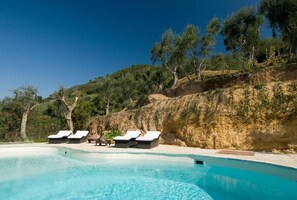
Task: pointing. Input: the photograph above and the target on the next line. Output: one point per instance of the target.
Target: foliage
(26, 98)
(191, 112)
(187, 52)
(41, 125)
(267, 48)
(279, 101)
(179, 55)
(10, 120)
(241, 32)
(205, 46)
(112, 134)
(244, 106)
(282, 17)
(172, 50)
(82, 114)
(218, 62)
(259, 86)
(209, 113)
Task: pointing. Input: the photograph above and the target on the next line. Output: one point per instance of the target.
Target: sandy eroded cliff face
(260, 116)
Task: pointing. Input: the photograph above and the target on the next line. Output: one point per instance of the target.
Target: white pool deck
(288, 160)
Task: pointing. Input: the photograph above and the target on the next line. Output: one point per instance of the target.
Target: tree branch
(168, 68)
(34, 106)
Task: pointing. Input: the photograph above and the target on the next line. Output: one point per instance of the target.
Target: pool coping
(285, 160)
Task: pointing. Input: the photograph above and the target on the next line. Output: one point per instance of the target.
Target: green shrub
(259, 86)
(112, 134)
(40, 140)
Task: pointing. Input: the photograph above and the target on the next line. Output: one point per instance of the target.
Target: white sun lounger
(127, 140)
(78, 137)
(60, 137)
(149, 140)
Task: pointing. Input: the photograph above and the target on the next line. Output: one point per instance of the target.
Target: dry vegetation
(260, 116)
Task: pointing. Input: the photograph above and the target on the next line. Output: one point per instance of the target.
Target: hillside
(255, 111)
(114, 92)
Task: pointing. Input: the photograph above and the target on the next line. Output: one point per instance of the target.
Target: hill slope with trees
(182, 60)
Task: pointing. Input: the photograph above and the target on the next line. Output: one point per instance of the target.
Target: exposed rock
(244, 117)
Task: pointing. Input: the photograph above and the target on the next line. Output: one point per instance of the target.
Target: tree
(173, 49)
(164, 52)
(60, 94)
(205, 47)
(218, 62)
(107, 91)
(282, 17)
(26, 98)
(270, 47)
(241, 31)
(10, 118)
(81, 114)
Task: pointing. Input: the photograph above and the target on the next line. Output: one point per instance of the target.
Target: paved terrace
(289, 160)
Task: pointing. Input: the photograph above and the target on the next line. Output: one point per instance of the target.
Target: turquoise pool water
(78, 175)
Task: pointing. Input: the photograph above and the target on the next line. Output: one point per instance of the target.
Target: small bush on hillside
(112, 134)
(259, 86)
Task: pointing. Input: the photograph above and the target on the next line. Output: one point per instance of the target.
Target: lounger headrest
(153, 134)
(133, 133)
(64, 133)
(82, 133)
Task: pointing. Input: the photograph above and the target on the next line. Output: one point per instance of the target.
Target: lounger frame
(77, 140)
(60, 137)
(128, 140)
(147, 144)
(79, 137)
(125, 143)
(58, 140)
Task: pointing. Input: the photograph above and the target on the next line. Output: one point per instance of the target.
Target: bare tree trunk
(252, 57)
(69, 120)
(175, 78)
(24, 125)
(174, 73)
(199, 69)
(198, 75)
(107, 109)
(23, 133)
(188, 77)
(68, 115)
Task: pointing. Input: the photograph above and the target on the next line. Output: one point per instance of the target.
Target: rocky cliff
(255, 111)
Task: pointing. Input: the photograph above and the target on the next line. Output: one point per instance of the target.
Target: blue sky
(52, 43)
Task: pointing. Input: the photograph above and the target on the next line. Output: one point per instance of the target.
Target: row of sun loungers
(64, 136)
(130, 139)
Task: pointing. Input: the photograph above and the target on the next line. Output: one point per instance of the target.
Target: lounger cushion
(60, 134)
(128, 136)
(149, 136)
(79, 134)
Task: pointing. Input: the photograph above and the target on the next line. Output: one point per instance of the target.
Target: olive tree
(26, 98)
(282, 17)
(205, 46)
(164, 52)
(241, 32)
(69, 106)
(173, 49)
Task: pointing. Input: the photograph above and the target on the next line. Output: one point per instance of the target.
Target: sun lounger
(149, 140)
(127, 140)
(78, 137)
(60, 137)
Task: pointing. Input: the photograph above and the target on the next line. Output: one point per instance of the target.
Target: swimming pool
(49, 173)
